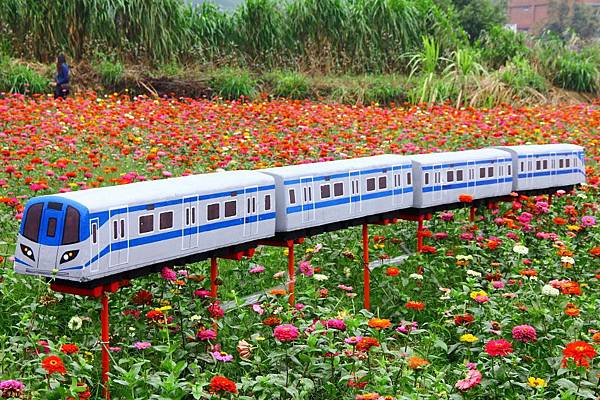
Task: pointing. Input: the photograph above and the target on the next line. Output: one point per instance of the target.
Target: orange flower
(392, 271)
(415, 305)
(278, 292)
(272, 321)
(559, 221)
(69, 348)
(571, 310)
(366, 343)
(528, 272)
(596, 337)
(417, 362)
(579, 351)
(53, 364)
(595, 251)
(367, 396)
(465, 198)
(379, 323)
(570, 288)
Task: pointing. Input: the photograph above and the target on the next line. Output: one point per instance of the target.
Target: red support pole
(213, 277)
(105, 341)
(366, 272)
(291, 273)
(549, 199)
(472, 214)
(419, 234)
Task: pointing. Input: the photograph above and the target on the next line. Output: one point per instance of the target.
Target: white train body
(440, 178)
(316, 194)
(114, 232)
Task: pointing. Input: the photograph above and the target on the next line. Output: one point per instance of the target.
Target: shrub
(500, 45)
(169, 70)
(384, 89)
(576, 72)
(17, 78)
(292, 85)
(111, 72)
(520, 75)
(233, 83)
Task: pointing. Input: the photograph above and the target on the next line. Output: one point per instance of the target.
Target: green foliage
(292, 85)
(500, 45)
(365, 89)
(169, 70)
(110, 71)
(478, 16)
(232, 83)
(427, 60)
(576, 72)
(520, 75)
(566, 18)
(17, 78)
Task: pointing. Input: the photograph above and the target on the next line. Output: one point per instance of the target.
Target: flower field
(507, 307)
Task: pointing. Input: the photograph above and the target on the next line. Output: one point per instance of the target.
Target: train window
(115, 228)
(230, 208)
(146, 223)
(522, 166)
(561, 163)
(122, 228)
(482, 172)
(248, 208)
(509, 170)
(490, 172)
(193, 215)
(382, 182)
(292, 196)
(51, 229)
(166, 220)
(212, 211)
(338, 189)
(32, 222)
(253, 204)
(450, 176)
(409, 178)
(71, 228)
(94, 233)
(459, 175)
(55, 206)
(567, 163)
(538, 165)
(545, 164)
(267, 202)
(325, 191)
(187, 217)
(370, 184)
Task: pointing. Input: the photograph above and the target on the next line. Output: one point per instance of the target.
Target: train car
(91, 234)
(336, 192)
(440, 178)
(546, 166)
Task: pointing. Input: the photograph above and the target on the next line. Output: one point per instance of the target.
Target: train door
(94, 245)
(189, 216)
(437, 183)
(119, 243)
(250, 211)
(471, 177)
(501, 171)
(398, 185)
(50, 234)
(552, 164)
(530, 164)
(355, 196)
(308, 203)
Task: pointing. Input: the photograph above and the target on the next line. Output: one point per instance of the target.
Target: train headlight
(68, 256)
(28, 252)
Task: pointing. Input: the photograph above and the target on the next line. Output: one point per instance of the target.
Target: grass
(19, 78)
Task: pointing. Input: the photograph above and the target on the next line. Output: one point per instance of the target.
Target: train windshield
(52, 223)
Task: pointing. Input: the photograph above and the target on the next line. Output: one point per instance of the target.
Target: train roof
(541, 148)
(459, 156)
(337, 166)
(146, 192)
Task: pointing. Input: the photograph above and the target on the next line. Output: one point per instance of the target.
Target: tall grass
(324, 35)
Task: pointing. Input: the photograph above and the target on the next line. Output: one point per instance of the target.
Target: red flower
(69, 348)
(428, 249)
(465, 198)
(142, 297)
(465, 319)
(580, 352)
(220, 384)
(498, 347)
(53, 364)
(392, 271)
(415, 305)
(216, 311)
(570, 288)
(366, 343)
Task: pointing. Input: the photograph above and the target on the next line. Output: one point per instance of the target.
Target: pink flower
(206, 334)
(168, 274)
(346, 288)
(525, 218)
(215, 310)
(45, 348)
(286, 333)
(524, 333)
(498, 284)
(588, 220)
(222, 356)
(440, 235)
(447, 216)
(306, 268)
(299, 306)
(258, 309)
(353, 340)
(256, 269)
(473, 379)
(337, 324)
(407, 327)
(142, 345)
(481, 299)
(202, 293)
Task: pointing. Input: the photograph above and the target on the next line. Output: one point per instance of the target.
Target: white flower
(195, 317)
(463, 257)
(549, 290)
(75, 323)
(320, 277)
(473, 273)
(418, 277)
(520, 249)
(567, 260)
(347, 272)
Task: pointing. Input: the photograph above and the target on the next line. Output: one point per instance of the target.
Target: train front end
(51, 239)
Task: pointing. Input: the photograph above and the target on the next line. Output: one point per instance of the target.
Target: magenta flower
(222, 356)
(286, 333)
(257, 269)
(353, 340)
(346, 288)
(473, 378)
(337, 324)
(447, 216)
(11, 389)
(524, 333)
(142, 345)
(202, 293)
(206, 334)
(306, 268)
(588, 221)
(168, 274)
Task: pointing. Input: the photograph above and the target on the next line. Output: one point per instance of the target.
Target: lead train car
(99, 235)
(91, 234)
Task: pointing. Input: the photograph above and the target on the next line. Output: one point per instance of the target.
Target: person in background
(62, 78)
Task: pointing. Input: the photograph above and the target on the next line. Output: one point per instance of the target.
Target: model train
(117, 232)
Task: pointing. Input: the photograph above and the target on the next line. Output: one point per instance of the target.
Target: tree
(477, 16)
(567, 17)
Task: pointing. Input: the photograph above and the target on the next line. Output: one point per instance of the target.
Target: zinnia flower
(168, 274)
(524, 333)
(286, 333)
(11, 389)
(473, 378)
(69, 348)
(379, 323)
(392, 271)
(53, 364)
(498, 347)
(206, 334)
(417, 363)
(469, 338)
(415, 305)
(142, 345)
(222, 356)
(536, 382)
(579, 351)
(335, 323)
(366, 343)
(220, 384)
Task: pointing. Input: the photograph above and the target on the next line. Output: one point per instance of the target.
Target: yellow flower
(165, 308)
(164, 302)
(573, 228)
(536, 382)
(286, 252)
(468, 338)
(478, 293)
(309, 250)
